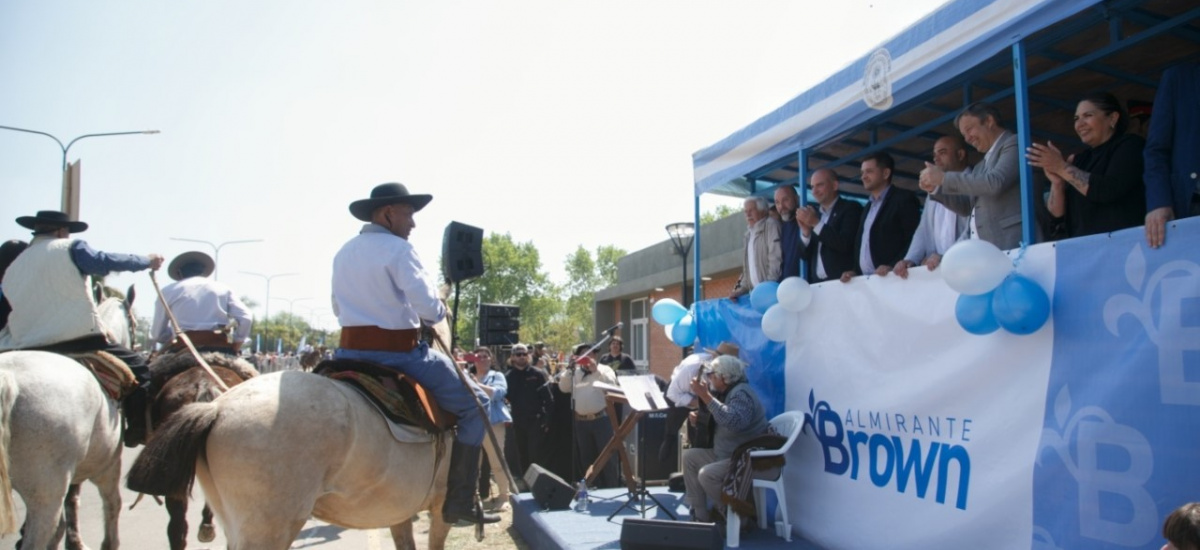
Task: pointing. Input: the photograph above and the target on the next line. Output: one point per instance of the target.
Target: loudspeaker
(498, 325)
(650, 431)
(462, 252)
(657, 534)
(549, 490)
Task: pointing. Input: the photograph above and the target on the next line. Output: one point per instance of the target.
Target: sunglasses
(521, 353)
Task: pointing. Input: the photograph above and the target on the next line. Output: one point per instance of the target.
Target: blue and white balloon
(1020, 305)
(975, 266)
(762, 297)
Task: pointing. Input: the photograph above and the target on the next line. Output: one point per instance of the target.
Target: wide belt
(203, 339)
(587, 417)
(368, 338)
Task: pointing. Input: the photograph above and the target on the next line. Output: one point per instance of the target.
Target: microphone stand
(570, 371)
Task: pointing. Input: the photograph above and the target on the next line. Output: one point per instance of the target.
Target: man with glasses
(827, 234)
(531, 401)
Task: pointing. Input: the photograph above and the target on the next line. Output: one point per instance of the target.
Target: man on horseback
(208, 312)
(49, 287)
(381, 294)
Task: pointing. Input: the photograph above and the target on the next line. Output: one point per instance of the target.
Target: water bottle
(581, 497)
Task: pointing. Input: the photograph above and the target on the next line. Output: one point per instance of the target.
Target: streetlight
(268, 278)
(682, 234)
(216, 251)
(292, 303)
(66, 206)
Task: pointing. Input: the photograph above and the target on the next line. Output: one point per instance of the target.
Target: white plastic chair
(787, 424)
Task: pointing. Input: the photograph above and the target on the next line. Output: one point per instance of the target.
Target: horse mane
(169, 365)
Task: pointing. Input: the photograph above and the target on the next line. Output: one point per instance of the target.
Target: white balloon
(794, 294)
(974, 267)
(669, 329)
(778, 323)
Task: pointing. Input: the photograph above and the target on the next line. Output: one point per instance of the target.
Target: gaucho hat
(52, 218)
(385, 194)
(175, 270)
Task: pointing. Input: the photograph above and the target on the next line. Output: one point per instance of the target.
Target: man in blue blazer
(1173, 152)
(827, 229)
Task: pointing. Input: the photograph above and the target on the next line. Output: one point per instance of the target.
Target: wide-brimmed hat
(385, 194)
(52, 218)
(175, 270)
(726, 348)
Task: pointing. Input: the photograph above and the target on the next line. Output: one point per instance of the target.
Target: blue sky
(561, 123)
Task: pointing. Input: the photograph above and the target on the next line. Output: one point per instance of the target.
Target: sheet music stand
(642, 395)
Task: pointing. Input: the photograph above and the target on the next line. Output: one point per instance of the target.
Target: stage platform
(591, 530)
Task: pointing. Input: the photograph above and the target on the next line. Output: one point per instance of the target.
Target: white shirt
(200, 303)
(680, 390)
(378, 280)
(588, 398)
(816, 230)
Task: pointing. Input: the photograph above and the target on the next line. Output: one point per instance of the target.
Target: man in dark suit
(888, 223)
(1172, 173)
(827, 233)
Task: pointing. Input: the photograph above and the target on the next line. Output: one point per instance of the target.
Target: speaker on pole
(549, 490)
(657, 534)
(462, 252)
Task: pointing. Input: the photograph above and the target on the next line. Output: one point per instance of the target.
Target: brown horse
(182, 381)
(310, 359)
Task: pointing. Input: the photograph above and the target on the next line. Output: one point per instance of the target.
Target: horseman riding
(381, 294)
(49, 287)
(208, 312)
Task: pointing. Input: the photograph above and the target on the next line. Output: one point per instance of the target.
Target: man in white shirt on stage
(593, 430)
(381, 294)
(204, 308)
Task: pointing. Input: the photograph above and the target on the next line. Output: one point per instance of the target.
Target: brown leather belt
(369, 338)
(587, 417)
(203, 339)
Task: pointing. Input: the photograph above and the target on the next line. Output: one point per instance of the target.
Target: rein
(187, 341)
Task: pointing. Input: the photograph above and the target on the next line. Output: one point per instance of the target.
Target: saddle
(400, 398)
(114, 376)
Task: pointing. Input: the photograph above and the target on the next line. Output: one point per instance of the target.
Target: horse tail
(8, 395)
(167, 465)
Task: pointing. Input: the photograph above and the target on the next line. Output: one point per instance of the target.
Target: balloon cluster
(993, 295)
(779, 302)
(678, 321)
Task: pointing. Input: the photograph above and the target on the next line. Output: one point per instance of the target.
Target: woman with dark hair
(8, 252)
(1100, 189)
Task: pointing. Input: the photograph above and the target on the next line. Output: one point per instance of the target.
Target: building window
(638, 335)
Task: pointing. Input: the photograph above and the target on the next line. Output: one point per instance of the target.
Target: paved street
(145, 527)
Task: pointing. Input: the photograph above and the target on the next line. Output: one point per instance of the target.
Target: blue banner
(1119, 446)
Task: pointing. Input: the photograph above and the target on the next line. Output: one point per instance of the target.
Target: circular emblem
(877, 83)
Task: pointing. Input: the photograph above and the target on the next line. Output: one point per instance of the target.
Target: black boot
(134, 408)
(461, 487)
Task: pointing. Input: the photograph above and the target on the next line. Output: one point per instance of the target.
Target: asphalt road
(145, 527)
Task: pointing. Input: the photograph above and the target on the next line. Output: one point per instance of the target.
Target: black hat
(385, 194)
(175, 270)
(52, 218)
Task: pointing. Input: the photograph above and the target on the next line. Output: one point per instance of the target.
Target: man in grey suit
(940, 227)
(990, 195)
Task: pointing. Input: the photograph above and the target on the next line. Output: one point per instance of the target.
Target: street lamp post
(682, 234)
(65, 197)
(216, 251)
(267, 301)
(292, 303)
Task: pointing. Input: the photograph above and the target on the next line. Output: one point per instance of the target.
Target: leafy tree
(722, 211)
(585, 277)
(512, 276)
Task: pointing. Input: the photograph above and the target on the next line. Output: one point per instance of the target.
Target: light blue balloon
(1020, 305)
(974, 314)
(764, 296)
(684, 332)
(667, 311)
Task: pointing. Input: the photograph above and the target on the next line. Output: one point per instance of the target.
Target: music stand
(642, 395)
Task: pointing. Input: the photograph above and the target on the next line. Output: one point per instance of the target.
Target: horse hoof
(207, 533)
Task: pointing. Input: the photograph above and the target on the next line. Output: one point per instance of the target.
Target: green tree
(512, 276)
(586, 276)
(722, 211)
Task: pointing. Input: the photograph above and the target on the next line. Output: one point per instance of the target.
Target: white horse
(58, 429)
(282, 447)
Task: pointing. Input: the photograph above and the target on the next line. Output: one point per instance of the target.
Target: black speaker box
(462, 252)
(549, 490)
(657, 534)
(649, 433)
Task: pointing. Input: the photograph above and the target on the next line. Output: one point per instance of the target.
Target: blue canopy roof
(949, 42)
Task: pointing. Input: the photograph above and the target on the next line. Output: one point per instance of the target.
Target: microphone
(614, 328)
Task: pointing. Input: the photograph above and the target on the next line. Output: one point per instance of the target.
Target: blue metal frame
(1024, 140)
